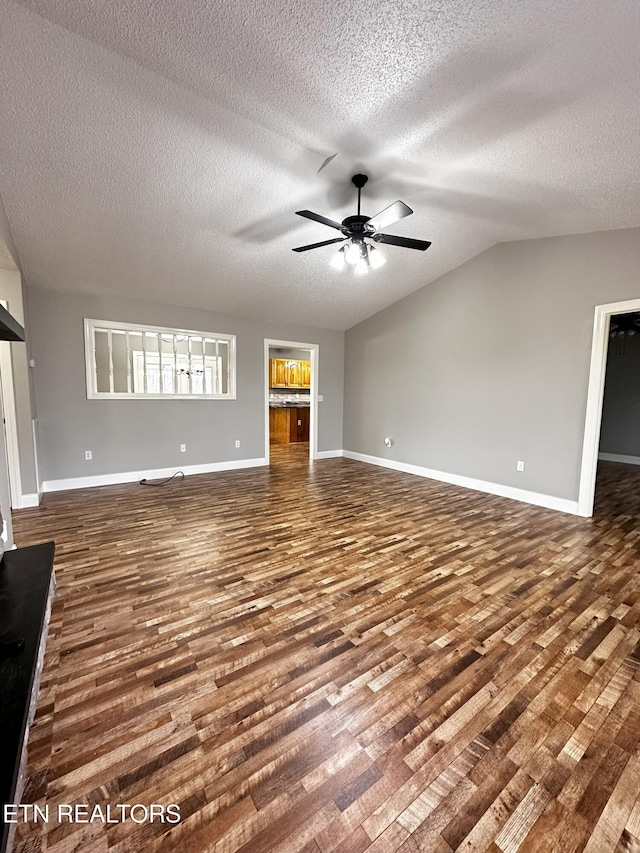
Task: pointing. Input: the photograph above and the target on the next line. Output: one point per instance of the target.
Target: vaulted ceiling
(158, 149)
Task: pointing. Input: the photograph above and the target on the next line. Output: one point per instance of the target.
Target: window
(125, 361)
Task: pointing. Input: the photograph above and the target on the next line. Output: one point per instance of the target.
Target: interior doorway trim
(595, 396)
(314, 350)
(10, 421)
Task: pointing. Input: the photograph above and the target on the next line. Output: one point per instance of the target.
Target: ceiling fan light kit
(352, 253)
(376, 258)
(358, 229)
(338, 261)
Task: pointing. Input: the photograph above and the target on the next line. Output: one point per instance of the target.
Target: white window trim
(91, 325)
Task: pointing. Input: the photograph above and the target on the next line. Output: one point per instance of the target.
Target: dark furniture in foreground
(27, 585)
(10, 329)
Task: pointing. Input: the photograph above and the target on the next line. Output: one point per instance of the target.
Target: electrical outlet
(237, 443)
(183, 448)
(88, 455)
(519, 465)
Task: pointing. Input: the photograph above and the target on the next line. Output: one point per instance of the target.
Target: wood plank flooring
(338, 658)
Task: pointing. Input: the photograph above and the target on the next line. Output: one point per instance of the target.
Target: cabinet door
(299, 429)
(305, 374)
(293, 374)
(278, 372)
(303, 423)
(293, 424)
(279, 423)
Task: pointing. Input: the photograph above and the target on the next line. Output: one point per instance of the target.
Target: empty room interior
(320, 381)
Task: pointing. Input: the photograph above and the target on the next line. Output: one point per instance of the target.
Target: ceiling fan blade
(317, 245)
(309, 214)
(405, 242)
(327, 161)
(395, 211)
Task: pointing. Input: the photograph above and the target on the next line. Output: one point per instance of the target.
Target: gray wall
(133, 435)
(490, 363)
(620, 430)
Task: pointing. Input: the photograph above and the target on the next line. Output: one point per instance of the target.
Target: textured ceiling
(157, 149)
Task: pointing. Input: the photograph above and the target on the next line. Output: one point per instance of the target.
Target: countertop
(289, 401)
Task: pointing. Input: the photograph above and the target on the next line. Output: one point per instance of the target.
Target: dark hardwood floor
(337, 657)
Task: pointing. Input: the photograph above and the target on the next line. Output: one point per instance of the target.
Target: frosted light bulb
(376, 258)
(352, 253)
(338, 261)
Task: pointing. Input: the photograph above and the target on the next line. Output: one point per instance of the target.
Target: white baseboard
(619, 457)
(535, 498)
(154, 474)
(30, 500)
(522, 495)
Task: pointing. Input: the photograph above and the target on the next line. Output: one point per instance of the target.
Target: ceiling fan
(356, 230)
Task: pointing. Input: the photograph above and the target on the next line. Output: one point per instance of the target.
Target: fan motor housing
(357, 224)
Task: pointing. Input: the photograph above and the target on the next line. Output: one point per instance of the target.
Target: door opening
(10, 426)
(595, 398)
(291, 398)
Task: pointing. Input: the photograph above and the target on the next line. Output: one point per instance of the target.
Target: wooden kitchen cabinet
(289, 373)
(288, 425)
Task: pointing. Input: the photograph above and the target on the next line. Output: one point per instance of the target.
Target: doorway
(8, 413)
(595, 398)
(291, 393)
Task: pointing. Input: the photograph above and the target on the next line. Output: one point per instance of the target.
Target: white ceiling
(159, 149)
(6, 258)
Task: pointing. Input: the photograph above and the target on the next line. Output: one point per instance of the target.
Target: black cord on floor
(146, 482)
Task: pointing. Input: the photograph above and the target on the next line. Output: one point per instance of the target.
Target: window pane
(224, 367)
(119, 358)
(182, 374)
(152, 375)
(151, 342)
(103, 366)
(212, 376)
(136, 360)
(151, 364)
(168, 364)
